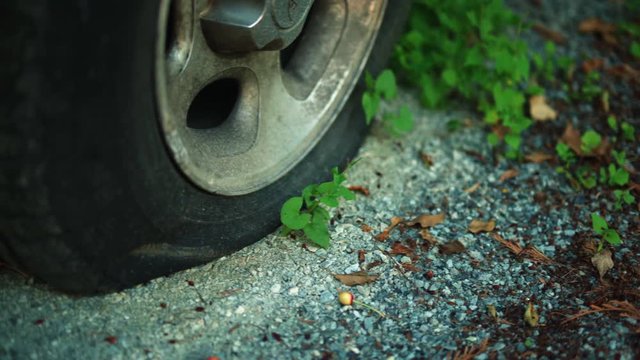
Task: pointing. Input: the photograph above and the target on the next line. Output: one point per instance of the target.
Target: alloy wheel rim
(236, 122)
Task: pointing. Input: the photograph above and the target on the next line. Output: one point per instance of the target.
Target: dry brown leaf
(530, 252)
(531, 316)
(469, 352)
(592, 64)
(549, 34)
(477, 226)
(426, 235)
(509, 174)
(426, 159)
(410, 267)
(589, 247)
(571, 137)
(399, 249)
(596, 25)
(624, 71)
(426, 220)
(384, 235)
(602, 261)
(472, 188)
(356, 278)
(366, 228)
(452, 247)
(538, 157)
(540, 110)
(359, 188)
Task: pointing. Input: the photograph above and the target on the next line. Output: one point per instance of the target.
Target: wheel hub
(251, 25)
(235, 119)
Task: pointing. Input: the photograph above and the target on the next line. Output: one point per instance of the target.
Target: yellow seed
(345, 298)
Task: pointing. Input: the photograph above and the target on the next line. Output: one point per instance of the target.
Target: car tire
(90, 200)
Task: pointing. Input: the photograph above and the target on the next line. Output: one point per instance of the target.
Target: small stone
(276, 288)
(294, 291)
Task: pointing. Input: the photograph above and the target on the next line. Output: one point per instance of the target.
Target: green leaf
(612, 237)
(628, 131)
(317, 231)
(329, 201)
(590, 140)
(618, 175)
(346, 193)
(403, 122)
(290, 214)
(635, 49)
(493, 139)
(450, 77)
(598, 223)
(513, 141)
(327, 188)
(386, 84)
(613, 123)
(370, 103)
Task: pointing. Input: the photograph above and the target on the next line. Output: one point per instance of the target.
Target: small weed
(600, 227)
(384, 87)
(308, 213)
(459, 48)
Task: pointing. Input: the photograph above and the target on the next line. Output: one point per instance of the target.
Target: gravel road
(441, 291)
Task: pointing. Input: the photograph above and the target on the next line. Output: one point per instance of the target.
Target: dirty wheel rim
(236, 122)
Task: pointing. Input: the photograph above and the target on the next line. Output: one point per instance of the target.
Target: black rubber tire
(89, 197)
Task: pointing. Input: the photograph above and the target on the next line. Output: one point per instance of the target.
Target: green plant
(623, 197)
(589, 141)
(628, 131)
(384, 87)
(600, 227)
(308, 213)
(459, 47)
(590, 88)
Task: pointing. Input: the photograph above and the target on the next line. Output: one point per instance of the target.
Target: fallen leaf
(531, 315)
(472, 188)
(530, 252)
(361, 189)
(509, 174)
(549, 34)
(540, 110)
(624, 71)
(410, 267)
(573, 139)
(361, 256)
(384, 235)
(589, 247)
(398, 249)
(452, 247)
(592, 64)
(373, 264)
(426, 235)
(595, 25)
(477, 226)
(491, 309)
(538, 157)
(602, 261)
(426, 159)
(426, 220)
(365, 228)
(356, 278)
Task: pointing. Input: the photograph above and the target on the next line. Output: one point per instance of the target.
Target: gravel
(278, 298)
